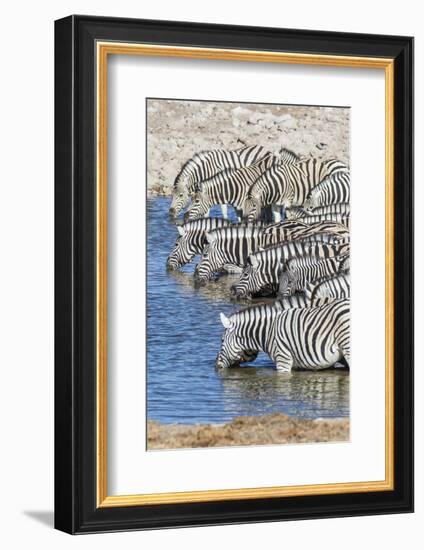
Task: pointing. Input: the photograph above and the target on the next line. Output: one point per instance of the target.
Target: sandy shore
(247, 430)
(178, 129)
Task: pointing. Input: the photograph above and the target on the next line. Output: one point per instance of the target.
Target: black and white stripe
(296, 276)
(262, 271)
(297, 212)
(302, 230)
(192, 240)
(206, 164)
(299, 337)
(333, 287)
(334, 189)
(311, 338)
(288, 185)
(228, 249)
(228, 187)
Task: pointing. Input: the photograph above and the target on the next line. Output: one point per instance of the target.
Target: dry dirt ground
(176, 130)
(247, 430)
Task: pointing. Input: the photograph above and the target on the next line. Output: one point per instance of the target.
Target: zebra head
(255, 279)
(180, 200)
(233, 346)
(183, 251)
(241, 288)
(247, 284)
(199, 207)
(209, 260)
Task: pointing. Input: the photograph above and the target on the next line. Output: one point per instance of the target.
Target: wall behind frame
(26, 289)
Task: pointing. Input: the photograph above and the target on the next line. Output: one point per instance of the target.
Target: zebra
(288, 185)
(192, 240)
(309, 338)
(228, 249)
(297, 212)
(227, 187)
(329, 287)
(334, 189)
(295, 277)
(204, 165)
(262, 271)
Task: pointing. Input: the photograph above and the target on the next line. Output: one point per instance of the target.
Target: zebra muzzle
(236, 292)
(171, 265)
(220, 363)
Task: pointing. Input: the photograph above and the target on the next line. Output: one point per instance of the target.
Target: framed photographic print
(234, 274)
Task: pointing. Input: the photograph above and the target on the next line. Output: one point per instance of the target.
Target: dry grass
(247, 430)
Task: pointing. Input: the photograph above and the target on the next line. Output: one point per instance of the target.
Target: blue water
(184, 334)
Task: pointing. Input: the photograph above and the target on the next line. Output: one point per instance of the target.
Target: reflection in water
(183, 338)
(304, 393)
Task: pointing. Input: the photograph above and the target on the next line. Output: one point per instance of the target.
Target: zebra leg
(282, 359)
(276, 213)
(224, 209)
(283, 364)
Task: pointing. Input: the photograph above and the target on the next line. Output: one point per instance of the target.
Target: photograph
(211, 365)
(248, 273)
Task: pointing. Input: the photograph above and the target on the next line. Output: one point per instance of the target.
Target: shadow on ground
(46, 517)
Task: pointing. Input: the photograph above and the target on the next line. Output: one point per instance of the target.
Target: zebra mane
(200, 155)
(305, 261)
(211, 182)
(203, 223)
(288, 157)
(287, 224)
(232, 231)
(262, 308)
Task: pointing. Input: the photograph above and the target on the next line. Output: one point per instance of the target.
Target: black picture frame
(76, 510)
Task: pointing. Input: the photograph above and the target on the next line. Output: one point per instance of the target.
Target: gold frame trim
(103, 50)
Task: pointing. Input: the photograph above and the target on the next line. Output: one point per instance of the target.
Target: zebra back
(337, 287)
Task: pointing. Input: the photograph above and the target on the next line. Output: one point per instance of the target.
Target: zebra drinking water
(288, 185)
(192, 240)
(228, 249)
(309, 338)
(204, 165)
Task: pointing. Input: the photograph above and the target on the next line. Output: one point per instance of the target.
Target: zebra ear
(210, 237)
(180, 230)
(253, 261)
(226, 322)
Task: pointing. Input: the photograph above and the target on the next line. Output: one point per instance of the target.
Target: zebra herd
(299, 260)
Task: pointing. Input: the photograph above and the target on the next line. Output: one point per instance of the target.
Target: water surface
(184, 335)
